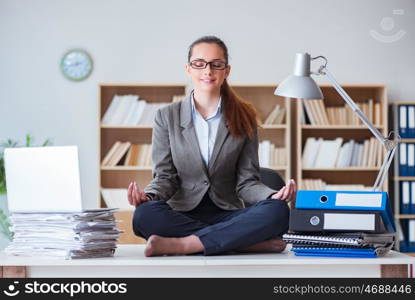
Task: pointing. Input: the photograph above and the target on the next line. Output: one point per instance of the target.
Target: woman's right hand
(135, 195)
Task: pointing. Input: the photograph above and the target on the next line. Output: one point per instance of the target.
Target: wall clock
(76, 64)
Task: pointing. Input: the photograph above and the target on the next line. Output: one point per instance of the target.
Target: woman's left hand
(287, 192)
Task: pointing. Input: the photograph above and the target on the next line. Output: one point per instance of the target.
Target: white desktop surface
(129, 261)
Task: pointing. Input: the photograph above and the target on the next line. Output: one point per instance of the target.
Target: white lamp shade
(300, 84)
(303, 87)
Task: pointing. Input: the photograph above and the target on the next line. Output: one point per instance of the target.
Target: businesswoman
(205, 166)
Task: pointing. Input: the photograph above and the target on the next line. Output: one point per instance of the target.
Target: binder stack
(88, 234)
(341, 223)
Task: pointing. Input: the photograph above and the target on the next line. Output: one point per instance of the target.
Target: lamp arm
(389, 145)
(384, 169)
(355, 108)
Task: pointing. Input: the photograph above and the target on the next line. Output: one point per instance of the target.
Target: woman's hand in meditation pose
(135, 195)
(287, 192)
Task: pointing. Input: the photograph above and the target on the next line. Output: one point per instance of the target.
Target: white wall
(146, 41)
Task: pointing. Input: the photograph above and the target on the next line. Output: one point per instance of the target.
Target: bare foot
(268, 246)
(158, 245)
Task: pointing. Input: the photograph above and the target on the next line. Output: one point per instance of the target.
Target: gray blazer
(180, 175)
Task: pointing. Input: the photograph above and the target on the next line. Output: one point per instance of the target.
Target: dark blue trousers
(219, 230)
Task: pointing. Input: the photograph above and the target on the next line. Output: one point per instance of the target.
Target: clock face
(76, 65)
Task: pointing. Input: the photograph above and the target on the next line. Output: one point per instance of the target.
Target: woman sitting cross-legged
(205, 166)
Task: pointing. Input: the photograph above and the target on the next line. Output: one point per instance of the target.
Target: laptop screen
(43, 179)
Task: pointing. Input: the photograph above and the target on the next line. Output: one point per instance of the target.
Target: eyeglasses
(214, 64)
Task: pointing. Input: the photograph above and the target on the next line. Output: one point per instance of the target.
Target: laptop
(44, 179)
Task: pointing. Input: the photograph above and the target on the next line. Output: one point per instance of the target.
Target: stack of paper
(87, 234)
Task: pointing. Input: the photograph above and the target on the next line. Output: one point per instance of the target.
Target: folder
(403, 159)
(335, 252)
(405, 197)
(412, 197)
(336, 220)
(403, 123)
(411, 234)
(403, 235)
(411, 121)
(411, 160)
(348, 200)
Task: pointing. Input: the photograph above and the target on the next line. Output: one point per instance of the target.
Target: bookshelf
(349, 129)
(398, 180)
(119, 176)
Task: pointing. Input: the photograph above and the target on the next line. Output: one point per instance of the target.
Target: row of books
(316, 113)
(406, 159)
(270, 155)
(407, 235)
(128, 154)
(407, 197)
(320, 153)
(128, 110)
(276, 116)
(321, 185)
(64, 235)
(333, 227)
(406, 121)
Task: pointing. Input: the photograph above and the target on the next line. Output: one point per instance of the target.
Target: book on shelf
(327, 153)
(129, 110)
(319, 184)
(119, 153)
(177, 98)
(276, 116)
(269, 155)
(116, 152)
(406, 159)
(119, 109)
(135, 155)
(406, 121)
(315, 112)
(116, 198)
(407, 235)
(407, 197)
(320, 153)
(110, 153)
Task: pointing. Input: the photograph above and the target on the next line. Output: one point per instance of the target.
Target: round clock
(76, 64)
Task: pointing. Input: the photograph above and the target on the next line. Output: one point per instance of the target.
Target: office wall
(146, 41)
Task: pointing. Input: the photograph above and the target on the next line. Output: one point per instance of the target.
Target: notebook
(335, 252)
(44, 179)
(341, 245)
(357, 239)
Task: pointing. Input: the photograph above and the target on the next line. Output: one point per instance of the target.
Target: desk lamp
(301, 85)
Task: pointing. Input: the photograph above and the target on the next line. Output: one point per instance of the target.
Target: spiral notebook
(341, 245)
(346, 239)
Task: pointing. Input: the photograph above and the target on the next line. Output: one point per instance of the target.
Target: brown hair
(241, 116)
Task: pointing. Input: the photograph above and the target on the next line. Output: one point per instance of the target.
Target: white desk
(129, 261)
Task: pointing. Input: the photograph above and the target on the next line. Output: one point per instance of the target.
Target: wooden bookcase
(350, 175)
(121, 176)
(397, 179)
(261, 96)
